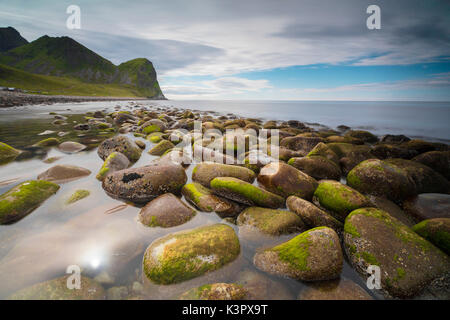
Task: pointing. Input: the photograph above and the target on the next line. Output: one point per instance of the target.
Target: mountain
(65, 57)
(10, 38)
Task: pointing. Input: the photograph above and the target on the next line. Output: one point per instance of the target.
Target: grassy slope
(11, 77)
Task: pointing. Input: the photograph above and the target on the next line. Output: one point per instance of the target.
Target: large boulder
(204, 199)
(57, 289)
(312, 215)
(23, 199)
(299, 143)
(269, 221)
(62, 173)
(408, 262)
(437, 231)
(204, 172)
(339, 289)
(436, 160)
(161, 147)
(313, 255)
(339, 198)
(216, 291)
(317, 167)
(246, 193)
(350, 155)
(363, 135)
(285, 180)
(120, 144)
(7, 153)
(191, 253)
(114, 162)
(166, 211)
(322, 150)
(428, 206)
(140, 185)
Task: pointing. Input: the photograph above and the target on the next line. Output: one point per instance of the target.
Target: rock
(436, 160)
(216, 291)
(71, 147)
(204, 199)
(140, 185)
(363, 135)
(246, 193)
(122, 118)
(117, 293)
(305, 144)
(78, 195)
(166, 211)
(140, 144)
(418, 145)
(51, 159)
(437, 231)
(428, 206)
(7, 153)
(313, 255)
(49, 142)
(260, 287)
(57, 289)
(312, 215)
(339, 198)
(322, 150)
(285, 154)
(350, 155)
(81, 127)
(339, 289)
(425, 179)
(285, 180)
(390, 138)
(317, 167)
(21, 200)
(62, 173)
(191, 253)
(161, 147)
(120, 144)
(205, 172)
(385, 151)
(393, 209)
(114, 162)
(269, 221)
(154, 125)
(407, 261)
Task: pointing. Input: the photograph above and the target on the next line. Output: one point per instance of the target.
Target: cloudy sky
(261, 49)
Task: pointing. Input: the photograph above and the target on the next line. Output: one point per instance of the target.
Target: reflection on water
(98, 233)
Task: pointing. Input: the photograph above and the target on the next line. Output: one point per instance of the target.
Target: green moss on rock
(7, 153)
(78, 195)
(437, 231)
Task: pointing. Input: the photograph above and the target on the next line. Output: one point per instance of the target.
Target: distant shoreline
(14, 99)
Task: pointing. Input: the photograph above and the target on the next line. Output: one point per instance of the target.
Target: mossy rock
(49, 142)
(339, 289)
(317, 167)
(166, 211)
(143, 184)
(299, 143)
(204, 199)
(246, 193)
(385, 151)
(379, 178)
(437, 231)
(407, 261)
(312, 215)
(311, 256)
(78, 195)
(7, 153)
(339, 198)
(56, 289)
(285, 180)
(321, 149)
(439, 161)
(21, 200)
(120, 144)
(161, 147)
(175, 156)
(216, 291)
(205, 172)
(363, 135)
(155, 137)
(420, 146)
(114, 162)
(342, 149)
(62, 173)
(191, 253)
(154, 125)
(270, 221)
(428, 206)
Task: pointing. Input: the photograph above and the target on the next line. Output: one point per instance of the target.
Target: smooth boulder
(204, 172)
(62, 173)
(120, 144)
(317, 167)
(71, 147)
(437, 231)
(7, 153)
(114, 162)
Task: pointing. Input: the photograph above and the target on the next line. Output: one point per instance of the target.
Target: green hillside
(11, 77)
(10, 39)
(65, 58)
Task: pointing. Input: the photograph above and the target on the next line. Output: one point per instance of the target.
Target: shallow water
(42, 245)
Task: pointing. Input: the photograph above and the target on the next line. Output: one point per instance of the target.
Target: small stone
(63, 173)
(78, 195)
(71, 147)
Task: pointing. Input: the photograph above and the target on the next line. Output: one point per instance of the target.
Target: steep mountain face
(65, 57)
(10, 38)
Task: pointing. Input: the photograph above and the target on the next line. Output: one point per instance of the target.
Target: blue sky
(260, 49)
